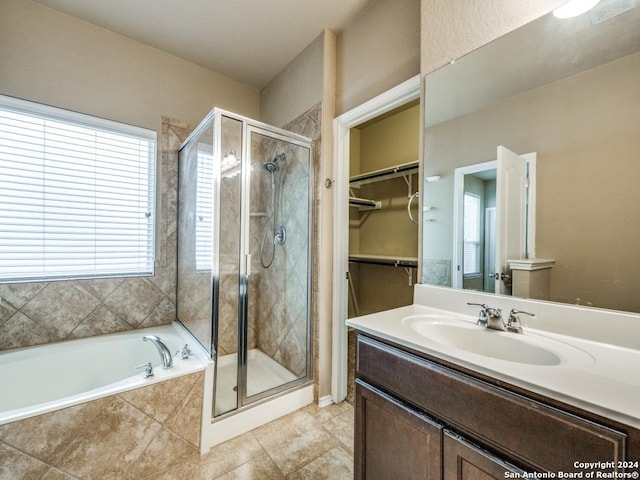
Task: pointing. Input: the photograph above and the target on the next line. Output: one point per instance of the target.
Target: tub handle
(185, 353)
(148, 370)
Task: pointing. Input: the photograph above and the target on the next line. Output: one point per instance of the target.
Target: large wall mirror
(561, 98)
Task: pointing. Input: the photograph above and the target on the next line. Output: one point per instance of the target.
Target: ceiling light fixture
(573, 8)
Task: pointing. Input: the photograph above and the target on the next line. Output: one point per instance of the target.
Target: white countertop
(598, 377)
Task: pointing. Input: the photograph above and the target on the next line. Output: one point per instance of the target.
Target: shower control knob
(281, 235)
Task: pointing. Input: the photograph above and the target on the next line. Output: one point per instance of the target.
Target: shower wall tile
(46, 312)
(283, 293)
(130, 435)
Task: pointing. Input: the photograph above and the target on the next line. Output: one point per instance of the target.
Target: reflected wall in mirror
(569, 91)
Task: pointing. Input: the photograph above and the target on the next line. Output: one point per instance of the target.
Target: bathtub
(42, 379)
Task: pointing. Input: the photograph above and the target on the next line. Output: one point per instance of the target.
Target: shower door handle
(248, 260)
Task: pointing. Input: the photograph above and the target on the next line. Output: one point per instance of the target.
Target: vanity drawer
(541, 437)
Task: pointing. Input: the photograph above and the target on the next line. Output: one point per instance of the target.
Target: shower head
(272, 166)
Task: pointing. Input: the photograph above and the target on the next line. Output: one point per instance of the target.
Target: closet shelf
(401, 170)
(410, 262)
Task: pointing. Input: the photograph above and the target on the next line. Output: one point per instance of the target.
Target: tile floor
(311, 443)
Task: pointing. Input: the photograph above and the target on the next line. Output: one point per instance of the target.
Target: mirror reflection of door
(491, 221)
(511, 224)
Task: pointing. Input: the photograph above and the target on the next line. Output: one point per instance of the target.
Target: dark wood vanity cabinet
(465, 461)
(396, 442)
(419, 419)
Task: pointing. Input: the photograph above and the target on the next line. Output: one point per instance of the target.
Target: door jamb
(402, 94)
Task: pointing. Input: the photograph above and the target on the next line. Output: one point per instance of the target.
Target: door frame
(398, 96)
(459, 173)
(458, 217)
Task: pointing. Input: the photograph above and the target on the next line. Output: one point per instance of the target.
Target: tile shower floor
(311, 443)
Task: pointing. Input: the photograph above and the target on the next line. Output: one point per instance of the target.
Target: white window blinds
(76, 195)
(204, 209)
(471, 261)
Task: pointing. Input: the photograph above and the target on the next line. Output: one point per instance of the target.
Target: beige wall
(295, 89)
(452, 28)
(588, 214)
(56, 59)
(391, 141)
(377, 51)
(53, 58)
(309, 80)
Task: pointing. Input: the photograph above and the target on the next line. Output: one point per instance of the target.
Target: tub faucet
(165, 354)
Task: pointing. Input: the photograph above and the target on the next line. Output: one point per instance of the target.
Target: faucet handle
(148, 369)
(518, 312)
(482, 315)
(483, 305)
(185, 353)
(514, 325)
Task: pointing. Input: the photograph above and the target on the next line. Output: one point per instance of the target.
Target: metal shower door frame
(251, 127)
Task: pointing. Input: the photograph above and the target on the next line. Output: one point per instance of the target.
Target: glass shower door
(228, 190)
(277, 240)
(195, 224)
(244, 255)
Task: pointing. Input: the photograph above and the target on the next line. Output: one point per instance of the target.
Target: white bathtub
(41, 379)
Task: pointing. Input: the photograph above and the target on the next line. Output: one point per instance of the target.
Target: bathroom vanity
(439, 397)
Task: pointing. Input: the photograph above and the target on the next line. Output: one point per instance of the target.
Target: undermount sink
(525, 348)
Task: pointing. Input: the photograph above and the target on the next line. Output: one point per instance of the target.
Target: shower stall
(244, 269)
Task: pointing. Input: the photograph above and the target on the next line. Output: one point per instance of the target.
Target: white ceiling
(248, 40)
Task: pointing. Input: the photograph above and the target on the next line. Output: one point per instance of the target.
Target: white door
(511, 221)
(489, 249)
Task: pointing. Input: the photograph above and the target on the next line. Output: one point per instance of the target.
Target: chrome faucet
(490, 317)
(514, 325)
(165, 354)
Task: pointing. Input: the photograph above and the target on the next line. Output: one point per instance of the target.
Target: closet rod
(378, 174)
(362, 202)
(410, 262)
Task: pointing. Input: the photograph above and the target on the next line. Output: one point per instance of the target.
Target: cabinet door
(393, 441)
(466, 461)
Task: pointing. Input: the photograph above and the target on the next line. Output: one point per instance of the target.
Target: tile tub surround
(130, 435)
(48, 312)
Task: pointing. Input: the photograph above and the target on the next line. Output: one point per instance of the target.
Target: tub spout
(165, 354)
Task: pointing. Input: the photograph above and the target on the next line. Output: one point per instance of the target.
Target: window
(76, 195)
(204, 208)
(471, 261)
